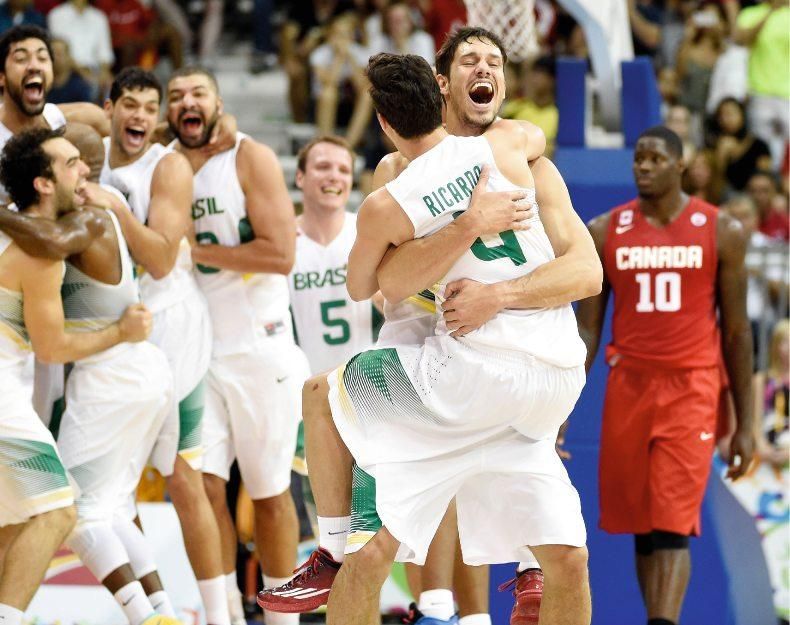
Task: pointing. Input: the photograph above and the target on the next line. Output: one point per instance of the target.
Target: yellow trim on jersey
(61, 494)
(13, 336)
(195, 453)
(422, 303)
(342, 394)
(359, 537)
(299, 465)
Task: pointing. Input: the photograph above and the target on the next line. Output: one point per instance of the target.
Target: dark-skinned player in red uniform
(675, 266)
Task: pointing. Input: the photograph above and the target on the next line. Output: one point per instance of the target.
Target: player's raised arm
(155, 246)
(271, 216)
(592, 310)
(736, 337)
(87, 113)
(46, 238)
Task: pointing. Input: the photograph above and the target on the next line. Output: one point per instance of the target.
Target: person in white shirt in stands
(400, 35)
(87, 32)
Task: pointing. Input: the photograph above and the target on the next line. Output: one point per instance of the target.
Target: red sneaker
(309, 588)
(528, 592)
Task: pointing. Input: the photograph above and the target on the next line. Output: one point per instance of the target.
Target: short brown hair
(304, 152)
(445, 55)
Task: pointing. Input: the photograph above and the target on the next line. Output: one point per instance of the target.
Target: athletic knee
(373, 561)
(568, 566)
(62, 520)
(315, 394)
(659, 540)
(215, 490)
(275, 508)
(182, 486)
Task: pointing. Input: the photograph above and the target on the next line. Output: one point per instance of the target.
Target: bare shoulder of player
(389, 168)
(730, 233)
(524, 135)
(173, 166)
(508, 133)
(252, 153)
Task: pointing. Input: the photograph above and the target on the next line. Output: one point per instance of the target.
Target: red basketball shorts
(657, 440)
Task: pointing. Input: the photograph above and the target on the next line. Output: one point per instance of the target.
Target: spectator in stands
(765, 29)
(401, 36)
(172, 13)
(702, 179)
(537, 102)
(210, 30)
(678, 119)
(767, 272)
(263, 55)
(738, 152)
(764, 190)
(771, 389)
(15, 12)
(67, 84)
(373, 20)
(702, 44)
(668, 86)
(442, 17)
(138, 34)
(646, 19)
(301, 33)
(87, 32)
(339, 82)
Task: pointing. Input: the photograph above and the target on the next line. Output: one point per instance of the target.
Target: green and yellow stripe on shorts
(35, 473)
(190, 419)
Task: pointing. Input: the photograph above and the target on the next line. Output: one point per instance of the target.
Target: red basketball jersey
(663, 281)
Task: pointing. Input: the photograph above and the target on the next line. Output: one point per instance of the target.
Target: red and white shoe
(528, 592)
(308, 590)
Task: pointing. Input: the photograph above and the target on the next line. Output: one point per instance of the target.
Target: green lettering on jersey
(452, 192)
(313, 279)
(205, 206)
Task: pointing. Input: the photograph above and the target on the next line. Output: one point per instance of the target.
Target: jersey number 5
(341, 324)
(665, 297)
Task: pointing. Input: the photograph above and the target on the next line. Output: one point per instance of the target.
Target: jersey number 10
(664, 297)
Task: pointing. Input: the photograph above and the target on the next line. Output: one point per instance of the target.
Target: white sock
(215, 600)
(437, 603)
(161, 603)
(235, 600)
(527, 564)
(475, 619)
(332, 533)
(10, 616)
(273, 582)
(134, 603)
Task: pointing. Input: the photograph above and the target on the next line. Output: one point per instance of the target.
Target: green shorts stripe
(190, 417)
(34, 467)
(381, 390)
(364, 517)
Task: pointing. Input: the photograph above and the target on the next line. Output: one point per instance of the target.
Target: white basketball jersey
(241, 305)
(134, 182)
(436, 188)
(15, 346)
(330, 326)
(53, 116)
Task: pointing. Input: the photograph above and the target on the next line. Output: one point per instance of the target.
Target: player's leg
(435, 597)
(666, 573)
(199, 524)
(28, 553)
(680, 459)
(566, 590)
(355, 593)
(471, 592)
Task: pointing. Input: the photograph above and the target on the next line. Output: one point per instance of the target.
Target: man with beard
(471, 78)
(675, 266)
(158, 186)
(45, 177)
(245, 230)
(26, 78)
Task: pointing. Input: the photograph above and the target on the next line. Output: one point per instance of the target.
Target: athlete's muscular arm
(87, 113)
(536, 140)
(574, 274)
(55, 240)
(40, 282)
(271, 215)
(155, 245)
(380, 224)
(736, 337)
(592, 310)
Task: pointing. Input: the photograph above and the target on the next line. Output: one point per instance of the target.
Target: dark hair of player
(671, 140)
(23, 160)
(191, 70)
(405, 93)
(134, 79)
(20, 33)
